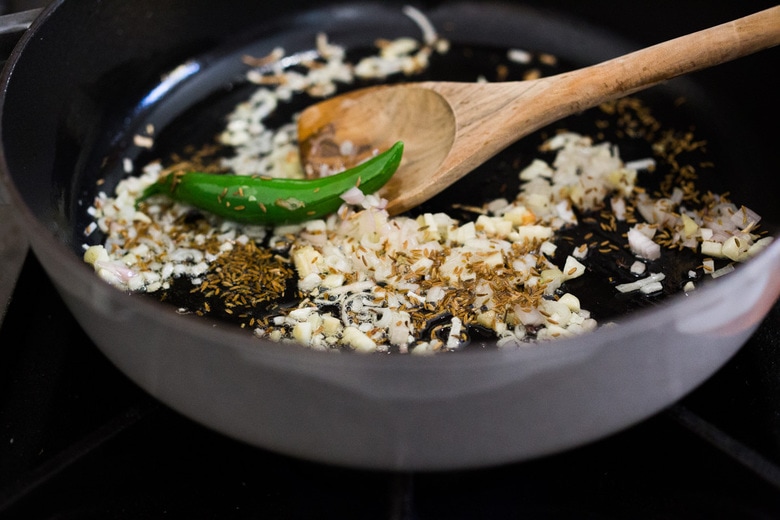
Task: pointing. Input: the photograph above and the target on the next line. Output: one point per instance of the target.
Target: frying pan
(88, 73)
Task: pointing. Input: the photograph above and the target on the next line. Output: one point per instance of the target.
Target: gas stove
(80, 440)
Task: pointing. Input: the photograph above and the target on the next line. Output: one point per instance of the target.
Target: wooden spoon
(450, 128)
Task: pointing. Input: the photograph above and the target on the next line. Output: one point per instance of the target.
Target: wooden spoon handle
(647, 67)
(509, 111)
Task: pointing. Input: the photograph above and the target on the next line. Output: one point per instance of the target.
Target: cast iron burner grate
(79, 440)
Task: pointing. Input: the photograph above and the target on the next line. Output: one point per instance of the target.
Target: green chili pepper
(261, 200)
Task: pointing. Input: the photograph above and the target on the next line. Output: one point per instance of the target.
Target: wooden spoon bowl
(450, 128)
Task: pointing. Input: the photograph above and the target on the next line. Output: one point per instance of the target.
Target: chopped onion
(639, 284)
(726, 269)
(353, 196)
(643, 246)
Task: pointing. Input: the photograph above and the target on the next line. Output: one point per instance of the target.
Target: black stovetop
(79, 440)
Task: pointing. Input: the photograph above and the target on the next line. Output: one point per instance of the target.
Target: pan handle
(12, 27)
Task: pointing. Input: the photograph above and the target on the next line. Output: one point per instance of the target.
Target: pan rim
(252, 351)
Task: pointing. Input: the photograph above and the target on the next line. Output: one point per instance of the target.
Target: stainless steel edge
(13, 244)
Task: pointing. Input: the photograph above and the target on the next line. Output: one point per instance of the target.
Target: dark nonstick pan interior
(189, 106)
(74, 99)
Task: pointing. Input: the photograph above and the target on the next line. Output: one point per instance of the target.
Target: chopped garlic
(358, 340)
(638, 267)
(710, 248)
